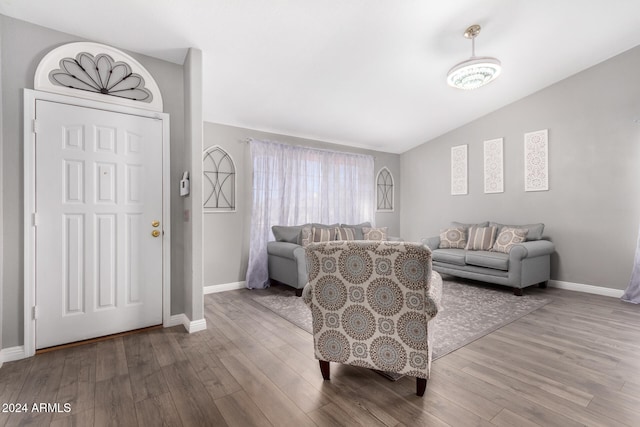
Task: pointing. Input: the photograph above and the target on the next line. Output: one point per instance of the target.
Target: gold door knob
(155, 233)
(155, 223)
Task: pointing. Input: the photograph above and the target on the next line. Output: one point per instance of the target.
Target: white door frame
(30, 98)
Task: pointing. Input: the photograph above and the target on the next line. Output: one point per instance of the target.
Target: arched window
(98, 72)
(384, 191)
(219, 181)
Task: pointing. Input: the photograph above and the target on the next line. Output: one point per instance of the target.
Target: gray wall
(592, 209)
(22, 47)
(226, 235)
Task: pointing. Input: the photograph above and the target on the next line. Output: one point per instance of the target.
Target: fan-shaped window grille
(219, 181)
(384, 191)
(100, 73)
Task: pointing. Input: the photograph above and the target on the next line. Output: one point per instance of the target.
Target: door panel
(98, 190)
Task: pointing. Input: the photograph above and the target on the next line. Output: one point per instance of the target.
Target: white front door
(98, 267)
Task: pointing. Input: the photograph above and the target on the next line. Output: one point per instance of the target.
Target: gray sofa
(523, 264)
(286, 256)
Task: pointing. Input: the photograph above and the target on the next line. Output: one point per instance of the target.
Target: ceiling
(364, 73)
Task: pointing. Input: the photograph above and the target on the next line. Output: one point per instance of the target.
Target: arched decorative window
(219, 181)
(98, 72)
(384, 191)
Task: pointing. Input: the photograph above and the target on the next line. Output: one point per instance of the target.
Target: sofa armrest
(531, 249)
(293, 253)
(284, 249)
(433, 300)
(307, 294)
(431, 242)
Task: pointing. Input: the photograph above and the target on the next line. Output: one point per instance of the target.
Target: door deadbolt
(155, 233)
(155, 223)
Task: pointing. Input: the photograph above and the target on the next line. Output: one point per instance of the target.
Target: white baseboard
(12, 353)
(190, 325)
(224, 287)
(177, 319)
(197, 325)
(590, 289)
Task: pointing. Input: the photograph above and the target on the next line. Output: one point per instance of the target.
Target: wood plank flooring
(574, 362)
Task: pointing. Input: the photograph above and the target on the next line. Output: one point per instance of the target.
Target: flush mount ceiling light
(476, 71)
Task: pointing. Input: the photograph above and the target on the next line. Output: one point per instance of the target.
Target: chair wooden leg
(542, 285)
(324, 368)
(421, 386)
(517, 292)
(299, 292)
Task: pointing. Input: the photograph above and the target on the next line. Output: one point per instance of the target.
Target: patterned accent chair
(371, 303)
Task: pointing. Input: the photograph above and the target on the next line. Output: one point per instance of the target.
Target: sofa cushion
(481, 238)
(321, 234)
(285, 233)
(495, 260)
(318, 225)
(455, 238)
(449, 256)
(358, 229)
(379, 234)
(455, 224)
(345, 233)
(535, 230)
(509, 237)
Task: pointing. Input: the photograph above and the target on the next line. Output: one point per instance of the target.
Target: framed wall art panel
(384, 191)
(536, 161)
(459, 180)
(493, 166)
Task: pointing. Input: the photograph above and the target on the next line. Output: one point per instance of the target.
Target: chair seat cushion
(449, 256)
(495, 260)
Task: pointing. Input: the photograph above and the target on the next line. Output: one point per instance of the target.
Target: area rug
(469, 311)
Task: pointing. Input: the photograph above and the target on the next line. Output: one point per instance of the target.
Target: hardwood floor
(573, 362)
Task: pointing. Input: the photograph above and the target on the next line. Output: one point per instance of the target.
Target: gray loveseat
(286, 255)
(513, 263)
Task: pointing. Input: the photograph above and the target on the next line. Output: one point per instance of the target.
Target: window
(298, 185)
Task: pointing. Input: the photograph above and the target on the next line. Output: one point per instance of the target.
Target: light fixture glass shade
(474, 72)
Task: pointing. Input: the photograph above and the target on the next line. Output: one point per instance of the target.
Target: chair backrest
(371, 302)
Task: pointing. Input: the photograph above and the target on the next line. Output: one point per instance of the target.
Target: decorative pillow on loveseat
(379, 234)
(481, 238)
(321, 234)
(307, 233)
(535, 230)
(453, 238)
(508, 238)
(345, 233)
(359, 235)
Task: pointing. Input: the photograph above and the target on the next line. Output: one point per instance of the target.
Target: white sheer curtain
(632, 294)
(297, 185)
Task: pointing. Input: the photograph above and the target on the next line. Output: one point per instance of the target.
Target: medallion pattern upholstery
(371, 303)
